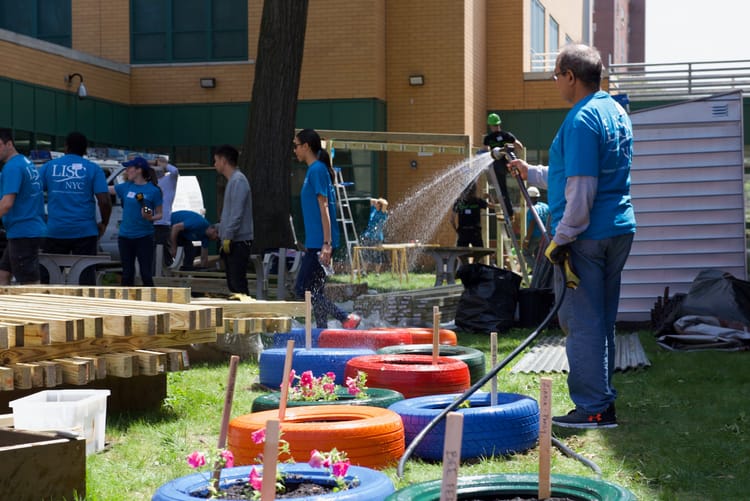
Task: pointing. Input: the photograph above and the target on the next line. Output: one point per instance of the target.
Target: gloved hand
(554, 253)
(226, 246)
(497, 153)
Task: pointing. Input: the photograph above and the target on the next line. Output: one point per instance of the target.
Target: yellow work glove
(226, 245)
(554, 253)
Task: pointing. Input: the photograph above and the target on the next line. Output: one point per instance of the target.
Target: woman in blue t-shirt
(141, 206)
(318, 200)
(373, 234)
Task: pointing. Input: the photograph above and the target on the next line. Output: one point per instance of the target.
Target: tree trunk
(267, 150)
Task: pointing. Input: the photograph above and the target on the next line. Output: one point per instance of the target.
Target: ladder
(344, 214)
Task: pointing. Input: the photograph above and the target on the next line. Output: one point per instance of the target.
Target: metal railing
(642, 82)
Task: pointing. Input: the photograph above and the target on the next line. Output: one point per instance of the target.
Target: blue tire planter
(298, 336)
(510, 486)
(373, 485)
(377, 397)
(510, 426)
(317, 360)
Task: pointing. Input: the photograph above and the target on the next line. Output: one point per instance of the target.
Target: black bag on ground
(488, 302)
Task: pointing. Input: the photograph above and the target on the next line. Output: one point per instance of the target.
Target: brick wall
(102, 28)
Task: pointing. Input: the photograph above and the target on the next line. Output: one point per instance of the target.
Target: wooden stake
(270, 456)
(493, 363)
(435, 334)
(285, 378)
(454, 428)
(545, 437)
(228, 397)
(308, 320)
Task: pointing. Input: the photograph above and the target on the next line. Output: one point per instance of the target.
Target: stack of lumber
(413, 308)
(53, 335)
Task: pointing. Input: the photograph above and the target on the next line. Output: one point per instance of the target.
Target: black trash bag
(488, 302)
(713, 293)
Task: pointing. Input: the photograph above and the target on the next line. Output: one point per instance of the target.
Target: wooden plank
(151, 363)
(257, 325)
(177, 360)
(263, 308)
(10, 333)
(106, 344)
(76, 372)
(97, 366)
(37, 375)
(34, 334)
(52, 375)
(60, 329)
(119, 364)
(6, 378)
(88, 324)
(21, 376)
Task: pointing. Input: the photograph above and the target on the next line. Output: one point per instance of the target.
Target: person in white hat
(533, 232)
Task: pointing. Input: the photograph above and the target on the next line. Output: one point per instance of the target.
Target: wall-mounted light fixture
(416, 79)
(82, 92)
(208, 83)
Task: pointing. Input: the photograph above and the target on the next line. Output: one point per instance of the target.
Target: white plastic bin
(83, 412)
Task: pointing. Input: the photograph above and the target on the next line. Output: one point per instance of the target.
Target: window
(48, 20)
(166, 31)
(537, 35)
(554, 35)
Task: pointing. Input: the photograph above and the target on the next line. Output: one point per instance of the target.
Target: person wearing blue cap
(141, 205)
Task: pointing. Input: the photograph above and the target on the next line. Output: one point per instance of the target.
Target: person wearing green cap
(497, 137)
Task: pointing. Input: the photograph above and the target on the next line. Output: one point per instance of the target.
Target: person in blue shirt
(189, 227)
(75, 187)
(533, 232)
(318, 200)
(592, 222)
(22, 210)
(141, 206)
(373, 235)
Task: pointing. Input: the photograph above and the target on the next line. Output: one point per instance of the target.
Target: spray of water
(417, 218)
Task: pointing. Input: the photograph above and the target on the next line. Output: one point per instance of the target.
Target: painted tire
(412, 375)
(370, 436)
(378, 397)
(372, 484)
(508, 486)
(317, 360)
(472, 357)
(298, 335)
(510, 426)
(423, 335)
(365, 338)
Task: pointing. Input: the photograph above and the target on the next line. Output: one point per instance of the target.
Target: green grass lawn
(684, 429)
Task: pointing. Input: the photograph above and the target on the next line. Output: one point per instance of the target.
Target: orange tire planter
(423, 335)
(412, 375)
(362, 338)
(371, 436)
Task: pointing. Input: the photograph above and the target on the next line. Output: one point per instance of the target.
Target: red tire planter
(412, 375)
(371, 339)
(370, 436)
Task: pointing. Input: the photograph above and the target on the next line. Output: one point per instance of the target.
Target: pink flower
(259, 436)
(228, 458)
(306, 379)
(256, 481)
(340, 468)
(292, 375)
(316, 459)
(331, 375)
(196, 459)
(329, 387)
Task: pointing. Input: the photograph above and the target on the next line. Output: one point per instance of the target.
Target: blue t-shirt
(133, 225)
(26, 218)
(195, 225)
(542, 211)
(596, 139)
(71, 183)
(374, 230)
(318, 182)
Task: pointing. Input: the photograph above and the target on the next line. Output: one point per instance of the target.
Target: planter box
(41, 466)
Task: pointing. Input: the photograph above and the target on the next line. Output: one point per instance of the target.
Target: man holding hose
(592, 224)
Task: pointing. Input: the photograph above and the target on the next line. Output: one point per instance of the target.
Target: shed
(688, 195)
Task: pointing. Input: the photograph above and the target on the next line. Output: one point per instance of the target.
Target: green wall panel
(314, 115)
(45, 115)
(85, 117)
(23, 107)
(120, 125)
(190, 125)
(151, 125)
(6, 107)
(103, 120)
(534, 128)
(65, 115)
(229, 123)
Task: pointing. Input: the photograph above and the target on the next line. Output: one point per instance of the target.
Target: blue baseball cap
(137, 162)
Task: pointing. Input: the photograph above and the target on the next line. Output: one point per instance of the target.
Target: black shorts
(21, 259)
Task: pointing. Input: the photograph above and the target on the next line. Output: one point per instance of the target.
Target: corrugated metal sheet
(548, 355)
(687, 188)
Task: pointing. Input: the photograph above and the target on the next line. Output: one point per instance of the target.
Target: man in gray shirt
(236, 223)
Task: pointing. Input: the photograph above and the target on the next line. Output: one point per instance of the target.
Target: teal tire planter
(472, 357)
(509, 486)
(373, 485)
(377, 397)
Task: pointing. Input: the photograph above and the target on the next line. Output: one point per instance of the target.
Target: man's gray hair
(584, 61)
